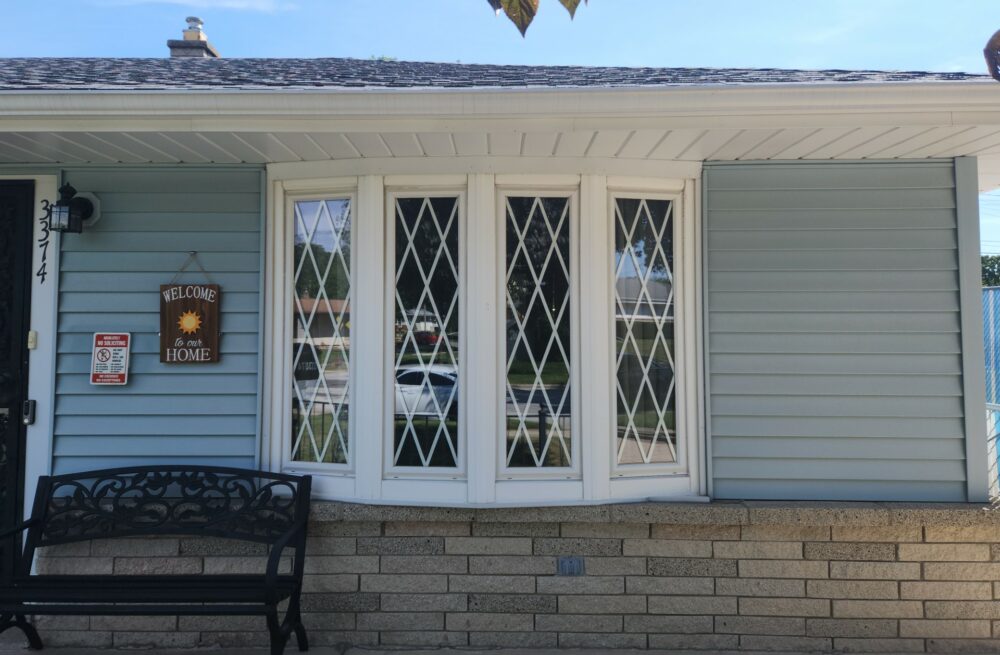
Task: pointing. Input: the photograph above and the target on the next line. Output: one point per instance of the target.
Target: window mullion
(596, 376)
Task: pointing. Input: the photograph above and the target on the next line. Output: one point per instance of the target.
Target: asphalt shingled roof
(91, 74)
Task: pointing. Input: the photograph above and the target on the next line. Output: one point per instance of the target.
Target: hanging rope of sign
(189, 318)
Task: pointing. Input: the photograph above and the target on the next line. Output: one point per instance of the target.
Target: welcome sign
(189, 323)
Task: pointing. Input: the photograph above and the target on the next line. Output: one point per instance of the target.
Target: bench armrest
(20, 527)
(274, 559)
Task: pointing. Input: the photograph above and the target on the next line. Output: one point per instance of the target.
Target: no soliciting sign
(109, 363)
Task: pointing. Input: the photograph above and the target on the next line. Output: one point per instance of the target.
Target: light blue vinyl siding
(109, 281)
(834, 332)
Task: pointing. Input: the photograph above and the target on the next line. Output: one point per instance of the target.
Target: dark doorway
(16, 199)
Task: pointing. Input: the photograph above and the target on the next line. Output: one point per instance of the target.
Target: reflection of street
(636, 446)
(540, 424)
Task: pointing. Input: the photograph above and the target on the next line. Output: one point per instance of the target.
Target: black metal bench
(257, 506)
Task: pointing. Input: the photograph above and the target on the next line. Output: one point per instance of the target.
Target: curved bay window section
(538, 326)
(426, 382)
(321, 331)
(646, 431)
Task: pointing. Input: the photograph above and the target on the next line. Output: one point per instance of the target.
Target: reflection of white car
(414, 397)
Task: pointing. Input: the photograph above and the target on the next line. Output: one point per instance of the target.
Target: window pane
(425, 418)
(538, 425)
(644, 331)
(321, 340)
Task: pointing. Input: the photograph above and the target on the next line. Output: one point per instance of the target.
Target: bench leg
(18, 621)
(279, 636)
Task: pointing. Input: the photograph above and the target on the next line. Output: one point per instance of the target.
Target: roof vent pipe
(194, 43)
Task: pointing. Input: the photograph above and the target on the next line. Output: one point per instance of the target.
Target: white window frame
(482, 478)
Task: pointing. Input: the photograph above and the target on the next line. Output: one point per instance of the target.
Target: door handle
(28, 412)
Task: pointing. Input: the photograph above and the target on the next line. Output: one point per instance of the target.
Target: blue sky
(942, 35)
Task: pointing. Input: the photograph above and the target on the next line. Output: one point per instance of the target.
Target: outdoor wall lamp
(73, 210)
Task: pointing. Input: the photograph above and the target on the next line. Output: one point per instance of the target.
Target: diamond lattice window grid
(538, 365)
(321, 338)
(425, 417)
(644, 330)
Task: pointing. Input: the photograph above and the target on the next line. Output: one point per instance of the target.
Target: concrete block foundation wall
(755, 576)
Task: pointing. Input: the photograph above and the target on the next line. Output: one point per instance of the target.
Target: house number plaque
(189, 323)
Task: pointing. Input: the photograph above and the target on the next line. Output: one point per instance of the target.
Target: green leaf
(520, 12)
(571, 6)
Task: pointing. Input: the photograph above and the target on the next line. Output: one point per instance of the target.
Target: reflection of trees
(308, 284)
(644, 239)
(443, 283)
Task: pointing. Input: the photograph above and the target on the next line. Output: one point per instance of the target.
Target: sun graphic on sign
(189, 322)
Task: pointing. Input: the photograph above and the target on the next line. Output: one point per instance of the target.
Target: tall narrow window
(425, 415)
(538, 323)
(644, 332)
(321, 334)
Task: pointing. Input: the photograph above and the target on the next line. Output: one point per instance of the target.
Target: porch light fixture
(69, 213)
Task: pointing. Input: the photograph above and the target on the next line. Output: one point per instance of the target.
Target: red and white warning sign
(109, 364)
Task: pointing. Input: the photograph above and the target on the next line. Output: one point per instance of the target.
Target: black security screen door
(15, 291)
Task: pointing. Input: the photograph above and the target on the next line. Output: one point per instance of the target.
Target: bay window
(486, 340)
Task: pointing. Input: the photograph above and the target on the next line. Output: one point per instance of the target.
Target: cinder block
(135, 547)
(584, 604)
(200, 546)
(871, 533)
(785, 533)
(866, 628)
(950, 629)
(345, 529)
(603, 640)
(489, 622)
(760, 587)
(852, 645)
(492, 584)
(582, 585)
(853, 589)
(78, 639)
(875, 570)
(428, 529)
(56, 622)
(760, 625)
(946, 590)
(236, 565)
(784, 607)
(962, 609)
(135, 623)
(695, 532)
(331, 546)
(401, 621)
(756, 568)
(615, 565)
(670, 586)
(424, 638)
(878, 609)
(515, 530)
(694, 642)
(513, 640)
(76, 565)
(578, 546)
(321, 583)
(222, 624)
(424, 564)
(961, 571)
(156, 639)
(843, 550)
(341, 564)
(75, 549)
(398, 583)
(158, 565)
(511, 565)
(338, 638)
(667, 548)
(353, 602)
(576, 623)
(424, 603)
(513, 603)
(326, 621)
(968, 534)
(797, 644)
(688, 567)
(488, 545)
(664, 623)
(605, 530)
(978, 646)
(944, 552)
(704, 605)
(401, 545)
(758, 550)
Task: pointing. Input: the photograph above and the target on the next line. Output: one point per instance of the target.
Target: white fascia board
(799, 105)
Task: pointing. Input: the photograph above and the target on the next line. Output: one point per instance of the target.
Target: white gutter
(793, 105)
